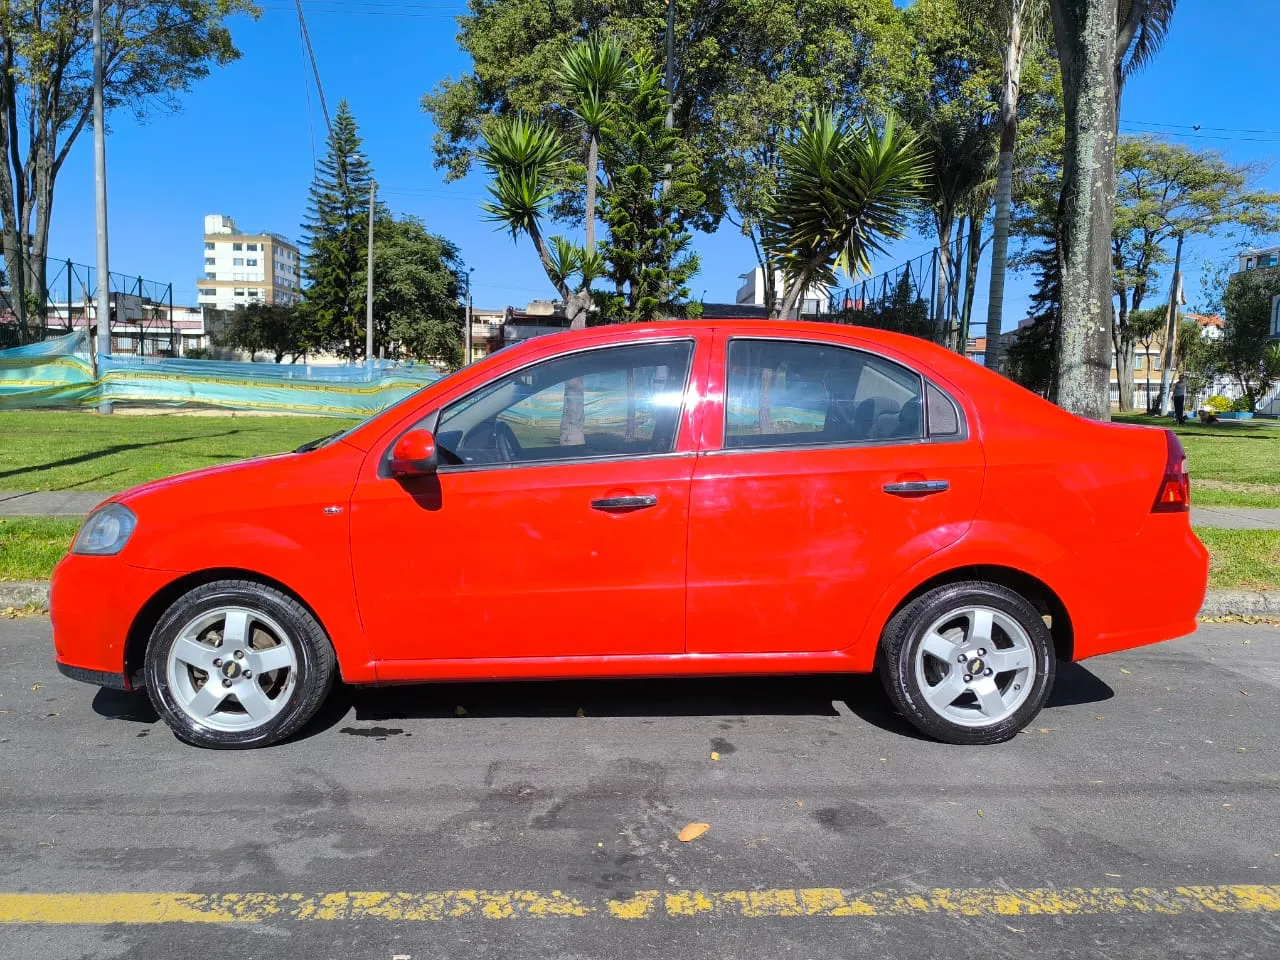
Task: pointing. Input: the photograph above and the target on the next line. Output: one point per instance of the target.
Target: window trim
(431, 420)
(962, 420)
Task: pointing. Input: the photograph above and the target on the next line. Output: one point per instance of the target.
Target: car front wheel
(968, 663)
(235, 664)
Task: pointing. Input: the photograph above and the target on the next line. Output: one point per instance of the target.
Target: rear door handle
(623, 504)
(909, 487)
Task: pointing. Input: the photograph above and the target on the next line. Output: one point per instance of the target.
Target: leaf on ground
(715, 755)
(1125, 672)
(459, 711)
(693, 831)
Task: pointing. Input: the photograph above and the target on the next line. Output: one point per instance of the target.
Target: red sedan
(648, 500)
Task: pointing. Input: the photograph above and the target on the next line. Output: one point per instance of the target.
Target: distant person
(1180, 398)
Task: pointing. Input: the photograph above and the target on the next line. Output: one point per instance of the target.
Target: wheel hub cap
(231, 670)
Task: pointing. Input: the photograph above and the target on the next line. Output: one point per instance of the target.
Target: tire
(202, 657)
(930, 646)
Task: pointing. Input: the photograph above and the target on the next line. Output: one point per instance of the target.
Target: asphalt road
(1138, 818)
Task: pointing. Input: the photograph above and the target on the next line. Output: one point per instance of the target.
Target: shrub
(1218, 403)
(1241, 405)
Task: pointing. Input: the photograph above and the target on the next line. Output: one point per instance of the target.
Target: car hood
(222, 470)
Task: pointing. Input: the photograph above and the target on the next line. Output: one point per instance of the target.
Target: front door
(555, 526)
(813, 505)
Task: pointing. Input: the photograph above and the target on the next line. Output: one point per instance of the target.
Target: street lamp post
(465, 279)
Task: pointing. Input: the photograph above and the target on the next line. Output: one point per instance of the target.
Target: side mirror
(414, 455)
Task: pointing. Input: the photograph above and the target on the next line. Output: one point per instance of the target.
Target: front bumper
(93, 604)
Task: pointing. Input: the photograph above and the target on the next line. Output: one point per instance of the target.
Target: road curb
(1217, 603)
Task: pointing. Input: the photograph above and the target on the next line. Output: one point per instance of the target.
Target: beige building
(244, 268)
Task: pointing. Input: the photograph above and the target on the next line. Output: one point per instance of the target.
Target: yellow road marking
(148, 908)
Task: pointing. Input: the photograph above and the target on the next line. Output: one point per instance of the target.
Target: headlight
(106, 531)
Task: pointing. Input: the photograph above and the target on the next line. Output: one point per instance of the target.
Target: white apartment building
(817, 299)
(244, 268)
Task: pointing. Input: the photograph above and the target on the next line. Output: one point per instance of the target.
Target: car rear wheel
(968, 662)
(235, 664)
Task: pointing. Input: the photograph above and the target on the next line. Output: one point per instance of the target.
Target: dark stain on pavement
(376, 733)
(848, 818)
(723, 747)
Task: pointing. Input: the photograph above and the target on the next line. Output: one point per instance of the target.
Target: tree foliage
(746, 73)
(415, 292)
(651, 190)
(152, 53)
(275, 328)
(842, 192)
(335, 237)
(1165, 190)
(1249, 353)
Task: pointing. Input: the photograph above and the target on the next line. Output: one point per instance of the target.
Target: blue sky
(244, 141)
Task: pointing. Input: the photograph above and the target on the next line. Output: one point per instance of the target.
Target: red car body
(752, 561)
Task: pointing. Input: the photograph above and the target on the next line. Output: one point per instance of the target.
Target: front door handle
(910, 487)
(623, 504)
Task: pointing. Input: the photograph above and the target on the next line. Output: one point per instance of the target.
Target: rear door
(832, 470)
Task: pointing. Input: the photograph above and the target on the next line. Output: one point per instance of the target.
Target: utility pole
(670, 82)
(368, 285)
(466, 277)
(1171, 329)
(100, 205)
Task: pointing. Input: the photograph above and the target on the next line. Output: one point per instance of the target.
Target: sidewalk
(77, 503)
(49, 503)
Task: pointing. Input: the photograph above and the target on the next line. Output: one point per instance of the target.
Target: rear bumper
(93, 603)
(1156, 585)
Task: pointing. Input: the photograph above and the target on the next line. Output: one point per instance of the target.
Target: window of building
(208, 291)
(1154, 360)
(251, 246)
(630, 406)
(209, 261)
(1137, 361)
(210, 275)
(1275, 318)
(254, 294)
(208, 245)
(239, 292)
(251, 262)
(1269, 261)
(781, 394)
(237, 261)
(237, 246)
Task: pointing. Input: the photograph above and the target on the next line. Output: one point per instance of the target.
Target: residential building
(1260, 259)
(139, 327)
(816, 299)
(244, 268)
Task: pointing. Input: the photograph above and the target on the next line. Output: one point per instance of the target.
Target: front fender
(313, 563)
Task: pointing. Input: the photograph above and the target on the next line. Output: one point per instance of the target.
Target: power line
(306, 41)
(1198, 126)
(1201, 136)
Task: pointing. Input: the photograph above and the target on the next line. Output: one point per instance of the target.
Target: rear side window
(785, 393)
(944, 416)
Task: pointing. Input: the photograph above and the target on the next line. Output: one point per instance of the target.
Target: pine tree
(651, 190)
(335, 235)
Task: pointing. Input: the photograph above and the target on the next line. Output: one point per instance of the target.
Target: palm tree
(1023, 21)
(591, 76)
(841, 193)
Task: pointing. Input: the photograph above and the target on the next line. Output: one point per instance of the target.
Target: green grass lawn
(1241, 559)
(30, 546)
(1232, 465)
(83, 451)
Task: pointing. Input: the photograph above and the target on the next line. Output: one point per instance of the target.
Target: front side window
(618, 401)
(782, 393)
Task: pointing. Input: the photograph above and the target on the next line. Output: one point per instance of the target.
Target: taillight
(1175, 485)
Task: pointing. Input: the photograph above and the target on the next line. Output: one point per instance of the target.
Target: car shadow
(819, 695)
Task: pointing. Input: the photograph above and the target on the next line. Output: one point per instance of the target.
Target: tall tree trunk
(1086, 39)
(593, 165)
(11, 192)
(574, 416)
(1122, 350)
(973, 259)
(1171, 326)
(942, 322)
